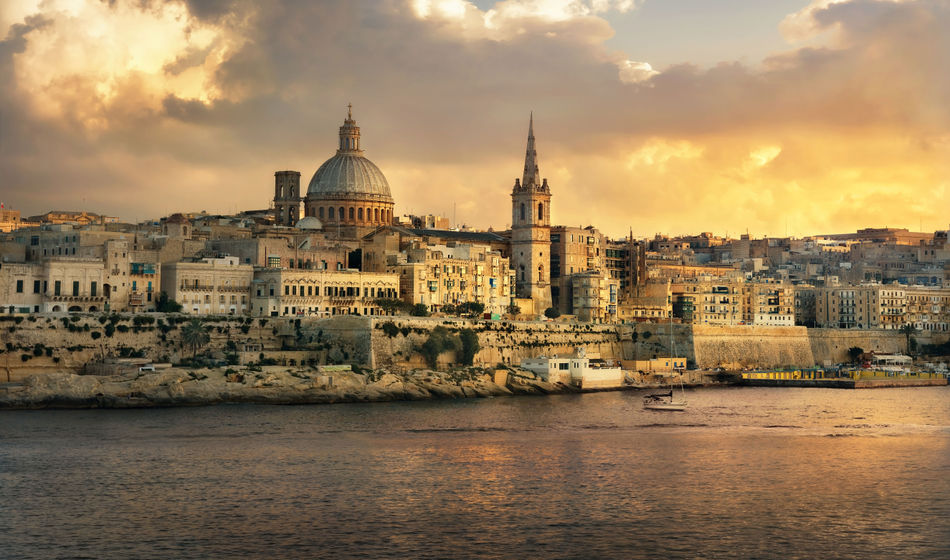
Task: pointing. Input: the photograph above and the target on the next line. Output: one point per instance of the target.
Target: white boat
(665, 401)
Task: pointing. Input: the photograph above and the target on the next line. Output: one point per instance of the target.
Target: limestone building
(348, 193)
(531, 231)
(439, 275)
(211, 286)
(321, 293)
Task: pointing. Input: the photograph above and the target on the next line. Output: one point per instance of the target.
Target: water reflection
(744, 472)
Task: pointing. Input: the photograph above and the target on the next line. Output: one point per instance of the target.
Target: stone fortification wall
(747, 346)
(830, 346)
(504, 342)
(51, 343)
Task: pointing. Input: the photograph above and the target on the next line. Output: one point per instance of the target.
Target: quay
(857, 379)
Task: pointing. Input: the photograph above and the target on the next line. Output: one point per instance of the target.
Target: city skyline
(816, 117)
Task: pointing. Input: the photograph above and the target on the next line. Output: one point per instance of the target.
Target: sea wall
(500, 342)
(57, 343)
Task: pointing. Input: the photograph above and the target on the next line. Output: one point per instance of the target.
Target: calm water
(745, 473)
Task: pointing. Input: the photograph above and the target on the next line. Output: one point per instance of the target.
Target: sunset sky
(660, 116)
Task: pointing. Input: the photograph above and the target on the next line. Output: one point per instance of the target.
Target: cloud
(137, 109)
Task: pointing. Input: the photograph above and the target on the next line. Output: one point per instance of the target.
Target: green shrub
(390, 329)
(469, 348)
(95, 335)
(440, 340)
(110, 330)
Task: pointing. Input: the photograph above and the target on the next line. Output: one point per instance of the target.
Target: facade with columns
(531, 231)
(348, 193)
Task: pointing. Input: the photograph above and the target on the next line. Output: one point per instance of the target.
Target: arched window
(376, 213)
(521, 271)
(359, 214)
(330, 210)
(352, 214)
(540, 211)
(541, 273)
(321, 212)
(522, 211)
(342, 214)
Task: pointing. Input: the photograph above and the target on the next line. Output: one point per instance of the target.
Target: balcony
(78, 299)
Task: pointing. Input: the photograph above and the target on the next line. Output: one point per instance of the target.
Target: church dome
(348, 189)
(349, 174)
(309, 222)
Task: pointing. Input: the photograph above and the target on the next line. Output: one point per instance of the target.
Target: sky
(774, 117)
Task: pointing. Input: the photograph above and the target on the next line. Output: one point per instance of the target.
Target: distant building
(72, 217)
(210, 286)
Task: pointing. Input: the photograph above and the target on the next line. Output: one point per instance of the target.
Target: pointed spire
(532, 177)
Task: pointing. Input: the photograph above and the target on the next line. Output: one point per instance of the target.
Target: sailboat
(666, 401)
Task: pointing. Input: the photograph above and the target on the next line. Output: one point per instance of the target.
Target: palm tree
(195, 334)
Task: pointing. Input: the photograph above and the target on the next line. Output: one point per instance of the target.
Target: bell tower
(286, 197)
(531, 230)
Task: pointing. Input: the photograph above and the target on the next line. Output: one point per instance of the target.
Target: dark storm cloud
(445, 110)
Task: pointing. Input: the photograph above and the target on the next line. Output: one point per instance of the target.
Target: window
(75, 287)
(540, 211)
(331, 212)
(19, 286)
(352, 213)
(342, 214)
(359, 213)
(320, 212)
(522, 211)
(36, 286)
(93, 288)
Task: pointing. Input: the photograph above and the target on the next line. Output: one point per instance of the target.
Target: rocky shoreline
(270, 385)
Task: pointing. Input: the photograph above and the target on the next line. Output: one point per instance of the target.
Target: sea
(743, 473)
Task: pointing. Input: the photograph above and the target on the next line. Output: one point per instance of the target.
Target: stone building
(210, 286)
(531, 231)
(573, 250)
(770, 303)
(595, 296)
(348, 193)
(865, 306)
(321, 293)
(928, 308)
(439, 275)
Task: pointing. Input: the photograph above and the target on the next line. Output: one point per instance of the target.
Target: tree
(471, 308)
(449, 309)
(470, 346)
(855, 353)
(513, 309)
(391, 306)
(166, 305)
(419, 310)
(195, 334)
(908, 331)
(552, 313)
(440, 340)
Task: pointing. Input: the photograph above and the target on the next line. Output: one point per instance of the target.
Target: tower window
(342, 214)
(321, 212)
(522, 211)
(359, 213)
(540, 211)
(352, 213)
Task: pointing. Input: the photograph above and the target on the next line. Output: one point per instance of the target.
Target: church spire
(532, 177)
